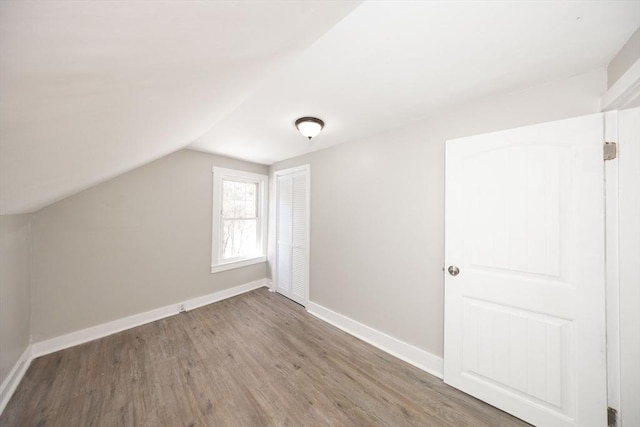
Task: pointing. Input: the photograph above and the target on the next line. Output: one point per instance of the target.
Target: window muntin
(239, 224)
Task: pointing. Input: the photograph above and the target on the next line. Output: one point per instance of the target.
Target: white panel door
(292, 257)
(525, 313)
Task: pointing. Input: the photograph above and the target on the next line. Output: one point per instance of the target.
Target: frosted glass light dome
(309, 127)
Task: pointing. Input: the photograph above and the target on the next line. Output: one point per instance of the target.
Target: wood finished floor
(257, 359)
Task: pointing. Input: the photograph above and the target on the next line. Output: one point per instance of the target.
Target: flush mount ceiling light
(309, 126)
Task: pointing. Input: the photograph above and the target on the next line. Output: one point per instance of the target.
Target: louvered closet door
(285, 232)
(292, 274)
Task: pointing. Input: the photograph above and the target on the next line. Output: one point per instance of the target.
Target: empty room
(319, 213)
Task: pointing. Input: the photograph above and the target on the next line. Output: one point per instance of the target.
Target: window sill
(237, 264)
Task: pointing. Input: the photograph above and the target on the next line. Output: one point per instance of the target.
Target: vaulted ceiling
(92, 89)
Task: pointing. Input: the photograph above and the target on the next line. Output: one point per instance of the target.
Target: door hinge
(610, 150)
(612, 417)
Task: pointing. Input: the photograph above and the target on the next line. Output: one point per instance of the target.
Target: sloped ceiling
(92, 89)
(390, 63)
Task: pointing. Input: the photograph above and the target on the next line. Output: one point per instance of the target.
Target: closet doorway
(292, 233)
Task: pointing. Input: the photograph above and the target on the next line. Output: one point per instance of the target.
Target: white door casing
(292, 233)
(525, 317)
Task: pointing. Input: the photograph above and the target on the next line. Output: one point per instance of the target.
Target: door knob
(453, 270)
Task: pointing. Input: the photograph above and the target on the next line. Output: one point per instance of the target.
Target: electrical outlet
(182, 309)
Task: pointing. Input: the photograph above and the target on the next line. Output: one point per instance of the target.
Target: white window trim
(219, 174)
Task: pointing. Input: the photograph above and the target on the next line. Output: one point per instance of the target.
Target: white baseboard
(15, 376)
(413, 355)
(89, 334)
(41, 348)
(407, 352)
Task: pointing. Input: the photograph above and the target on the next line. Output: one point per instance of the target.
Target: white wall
(624, 59)
(15, 290)
(377, 209)
(135, 243)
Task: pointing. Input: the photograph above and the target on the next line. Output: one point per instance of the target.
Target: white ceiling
(391, 63)
(92, 89)
(89, 90)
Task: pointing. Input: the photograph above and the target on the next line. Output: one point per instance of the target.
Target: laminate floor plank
(257, 359)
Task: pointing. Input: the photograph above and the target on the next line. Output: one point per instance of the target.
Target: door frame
(621, 95)
(612, 283)
(306, 168)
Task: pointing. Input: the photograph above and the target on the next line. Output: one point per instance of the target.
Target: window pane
(251, 191)
(228, 205)
(249, 201)
(239, 199)
(250, 209)
(240, 237)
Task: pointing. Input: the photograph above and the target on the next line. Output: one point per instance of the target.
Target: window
(239, 226)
